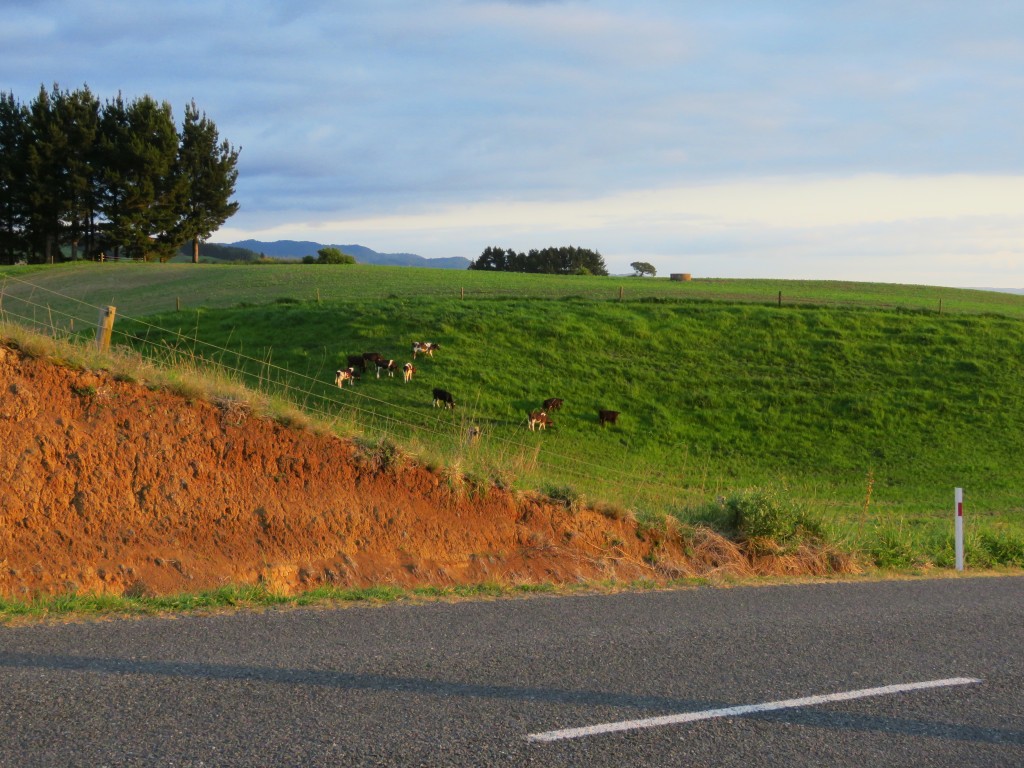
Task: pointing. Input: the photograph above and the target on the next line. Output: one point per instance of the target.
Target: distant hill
(296, 249)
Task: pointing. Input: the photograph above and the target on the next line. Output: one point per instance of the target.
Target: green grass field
(143, 289)
(863, 401)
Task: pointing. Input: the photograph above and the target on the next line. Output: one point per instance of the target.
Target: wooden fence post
(780, 298)
(620, 293)
(105, 328)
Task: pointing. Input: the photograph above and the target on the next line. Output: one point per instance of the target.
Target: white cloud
(773, 203)
(944, 230)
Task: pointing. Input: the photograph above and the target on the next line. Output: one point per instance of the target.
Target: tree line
(566, 260)
(118, 178)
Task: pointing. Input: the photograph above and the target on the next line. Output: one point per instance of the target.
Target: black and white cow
(390, 366)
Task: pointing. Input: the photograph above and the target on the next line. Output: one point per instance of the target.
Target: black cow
(371, 357)
(553, 403)
(607, 417)
(443, 399)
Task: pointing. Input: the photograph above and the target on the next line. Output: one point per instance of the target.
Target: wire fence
(499, 451)
(469, 440)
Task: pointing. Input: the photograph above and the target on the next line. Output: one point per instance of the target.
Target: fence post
(780, 298)
(462, 292)
(620, 293)
(177, 303)
(959, 530)
(105, 328)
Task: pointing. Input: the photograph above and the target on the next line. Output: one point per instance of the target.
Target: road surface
(926, 673)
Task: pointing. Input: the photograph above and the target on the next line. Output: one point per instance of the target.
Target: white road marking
(748, 709)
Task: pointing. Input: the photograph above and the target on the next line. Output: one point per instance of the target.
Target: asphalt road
(468, 683)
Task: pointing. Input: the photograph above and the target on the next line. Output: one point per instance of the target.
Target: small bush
(892, 547)
(379, 455)
(766, 513)
(1002, 548)
(566, 494)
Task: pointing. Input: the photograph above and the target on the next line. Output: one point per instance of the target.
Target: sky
(870, 141)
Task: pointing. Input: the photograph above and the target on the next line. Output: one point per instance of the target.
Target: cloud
(656, 126)
(945, 230)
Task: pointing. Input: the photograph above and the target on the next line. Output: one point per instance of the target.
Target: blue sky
(837, 140)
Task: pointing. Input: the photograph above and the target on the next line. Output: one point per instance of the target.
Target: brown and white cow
(539, 420)
(345, 374)
(425, 347)
(407, 371)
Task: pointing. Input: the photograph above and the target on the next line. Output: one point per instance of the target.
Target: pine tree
(13, 172)
(77, 116)
(207, 167)
(141, 193)
(45, 187)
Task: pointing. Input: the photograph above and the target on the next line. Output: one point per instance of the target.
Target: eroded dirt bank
(108, 486)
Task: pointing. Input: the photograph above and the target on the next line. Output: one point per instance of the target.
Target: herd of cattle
(360, 364)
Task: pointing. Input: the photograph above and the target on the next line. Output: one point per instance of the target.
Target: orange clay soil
(108, 486)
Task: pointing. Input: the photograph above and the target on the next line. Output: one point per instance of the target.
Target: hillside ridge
(296, 249)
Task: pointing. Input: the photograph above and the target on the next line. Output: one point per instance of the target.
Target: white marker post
(959, 528)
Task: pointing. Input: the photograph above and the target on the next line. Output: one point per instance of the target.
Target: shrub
(1002, 548)
(334, 256)
(766, 513)
(569, 496)
(892, 547)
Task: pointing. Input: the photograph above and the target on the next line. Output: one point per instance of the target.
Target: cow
(386, 365)
(426, 347)
(539, 420)
(607, 417)
(443, 399)
(356, 361)
(345, 374)
(407, 371)
(553, 403)
(371, 357)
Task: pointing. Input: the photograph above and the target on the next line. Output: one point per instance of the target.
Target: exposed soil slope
(108, 486)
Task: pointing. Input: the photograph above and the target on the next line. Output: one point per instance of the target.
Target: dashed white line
(748, 709)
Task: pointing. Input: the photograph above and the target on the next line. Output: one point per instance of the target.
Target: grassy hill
(139, 289)
(861, 400)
